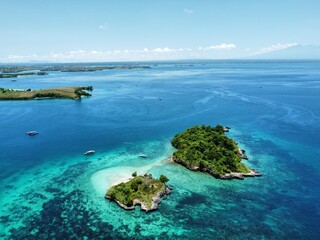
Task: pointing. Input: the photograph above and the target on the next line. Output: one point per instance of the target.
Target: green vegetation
(80, 91)
(14, 71)
(134, 174)
(140, 188)
(67, 92)
(208, 149)
(163, 178)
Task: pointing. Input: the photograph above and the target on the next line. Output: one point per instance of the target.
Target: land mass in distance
(19, 74)
(65, 92)
(7, 71)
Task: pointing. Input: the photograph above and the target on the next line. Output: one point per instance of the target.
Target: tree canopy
(142, 188)
(207, 148)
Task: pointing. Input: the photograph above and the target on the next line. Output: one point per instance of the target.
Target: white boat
(142, 155)
(32, 133)
(226, 129)
(90, 152)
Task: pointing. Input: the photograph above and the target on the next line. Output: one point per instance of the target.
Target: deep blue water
(272, 107)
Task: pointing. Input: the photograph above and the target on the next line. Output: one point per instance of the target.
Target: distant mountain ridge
(295, 52)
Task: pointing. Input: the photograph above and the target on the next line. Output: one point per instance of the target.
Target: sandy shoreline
(104, 179)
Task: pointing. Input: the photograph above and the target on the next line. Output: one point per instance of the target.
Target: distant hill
(295, 52)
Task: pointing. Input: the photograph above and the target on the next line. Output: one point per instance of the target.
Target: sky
(128, 30)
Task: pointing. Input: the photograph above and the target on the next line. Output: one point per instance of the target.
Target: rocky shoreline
(242, 154)
(227, 176)
(155, 200)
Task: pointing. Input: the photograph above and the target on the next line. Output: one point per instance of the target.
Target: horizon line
(168, 60)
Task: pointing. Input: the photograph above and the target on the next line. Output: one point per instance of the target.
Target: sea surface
(50, 190)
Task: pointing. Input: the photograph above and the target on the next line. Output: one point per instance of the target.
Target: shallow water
(49, 190)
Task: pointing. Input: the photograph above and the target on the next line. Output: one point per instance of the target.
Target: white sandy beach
(104, 179)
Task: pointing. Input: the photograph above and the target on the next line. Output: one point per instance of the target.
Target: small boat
(226, 129)
(90, 152)
(142, 155)
(32, 133)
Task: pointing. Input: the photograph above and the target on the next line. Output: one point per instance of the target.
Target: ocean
(50, 190)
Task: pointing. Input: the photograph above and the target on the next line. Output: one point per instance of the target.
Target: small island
(208, 149)
(140, 190)
(66, 93)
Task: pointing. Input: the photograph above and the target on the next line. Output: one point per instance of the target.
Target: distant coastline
(66, 93)
(19, 74)
(12, 70)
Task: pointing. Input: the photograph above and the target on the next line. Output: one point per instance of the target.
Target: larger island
(208, 149)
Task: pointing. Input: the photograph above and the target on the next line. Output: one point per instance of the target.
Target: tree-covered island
(208, 149)
(66, 92)
(140, 190)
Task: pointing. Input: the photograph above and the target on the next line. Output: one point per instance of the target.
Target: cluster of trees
(48, 95)
(6, 90)
(3, 90)
(140, 187)
(80, 91)
(11, 94)
(208, 149)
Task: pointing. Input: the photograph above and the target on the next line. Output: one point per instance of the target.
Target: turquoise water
(50, 190)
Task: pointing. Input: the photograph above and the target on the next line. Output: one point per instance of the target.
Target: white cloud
(222, 46)
(166, 49)
(95, 55)
(276, 47)
(188, 11)
(103, 26)
(144, 54)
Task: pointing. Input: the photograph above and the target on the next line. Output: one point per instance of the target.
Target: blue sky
(96, 30)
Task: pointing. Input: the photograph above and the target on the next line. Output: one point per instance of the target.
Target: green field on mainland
(65, 92)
